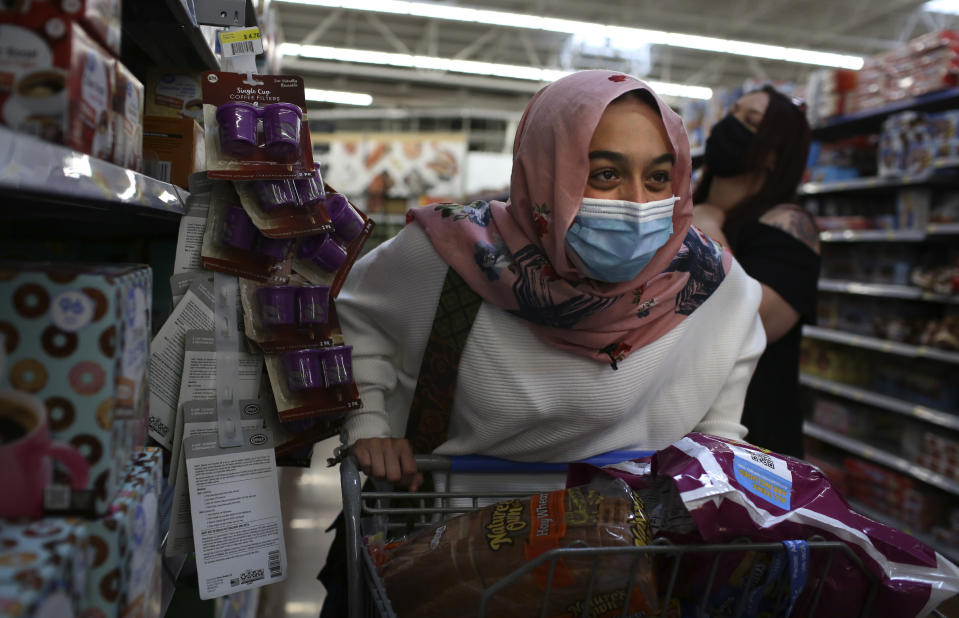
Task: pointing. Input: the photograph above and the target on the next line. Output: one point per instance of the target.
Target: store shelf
(949, 552)
(881, 457)
(873, 236)
(930, 415)
(880, 345)
(945, 229)
(45, 186)
(883, 290)
(870, 121)
(165, 35)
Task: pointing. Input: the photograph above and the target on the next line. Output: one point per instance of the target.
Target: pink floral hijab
(514, 256)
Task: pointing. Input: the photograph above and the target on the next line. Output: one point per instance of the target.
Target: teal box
(124, 576)
(43, 567)
(77, 338)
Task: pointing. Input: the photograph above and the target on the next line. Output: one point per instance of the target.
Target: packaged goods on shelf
(43, 567)
(127, 119)
(833, 362)
(79, 342)
(101, 18)
(173, 148)
(124, 575)
(174, 95)
(845, 159)
(57, 88)
(829, 93)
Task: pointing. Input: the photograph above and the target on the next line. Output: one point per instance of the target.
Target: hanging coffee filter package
(443, 570)
(735, 491)
(256, 126)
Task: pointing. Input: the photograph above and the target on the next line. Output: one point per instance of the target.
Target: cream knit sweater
(520, 398)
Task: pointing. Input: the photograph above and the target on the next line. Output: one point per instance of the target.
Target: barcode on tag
(274, 563)
(243, 47)
(157, 169)
(56, 497)
(764, 460)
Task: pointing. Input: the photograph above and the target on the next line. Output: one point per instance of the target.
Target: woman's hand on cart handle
(389, 459)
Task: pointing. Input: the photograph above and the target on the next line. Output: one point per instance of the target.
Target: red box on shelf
(55, 81)
(101, 18)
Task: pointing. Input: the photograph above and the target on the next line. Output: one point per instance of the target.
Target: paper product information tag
(240, 42)
(235, 507)
(195, 311)
(190, 240)
(197, 418)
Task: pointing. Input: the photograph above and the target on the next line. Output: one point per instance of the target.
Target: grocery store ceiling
(855, 27)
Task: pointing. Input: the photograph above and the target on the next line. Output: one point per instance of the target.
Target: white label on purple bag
(764, 475)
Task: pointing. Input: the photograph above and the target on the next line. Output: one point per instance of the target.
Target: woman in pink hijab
(585, 315)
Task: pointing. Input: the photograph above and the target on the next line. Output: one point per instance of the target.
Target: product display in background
(56, 88)
(174, 95)
(394, 165)
(78, 340)
(173, 148)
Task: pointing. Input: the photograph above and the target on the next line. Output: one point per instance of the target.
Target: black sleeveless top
(772, 412)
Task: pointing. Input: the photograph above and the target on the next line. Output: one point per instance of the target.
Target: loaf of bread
(443, 570)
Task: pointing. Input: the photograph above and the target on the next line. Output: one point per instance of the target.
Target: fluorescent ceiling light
(336, 96)
(322, 52)
(948, 7)
(594, 30)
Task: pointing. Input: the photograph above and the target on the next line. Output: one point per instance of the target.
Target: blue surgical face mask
(615, 239)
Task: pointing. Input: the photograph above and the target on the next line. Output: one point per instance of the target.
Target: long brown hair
(783, 133)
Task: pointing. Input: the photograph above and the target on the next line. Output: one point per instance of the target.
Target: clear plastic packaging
(291, 316)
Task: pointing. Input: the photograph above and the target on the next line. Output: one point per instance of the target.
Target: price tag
(247, 41)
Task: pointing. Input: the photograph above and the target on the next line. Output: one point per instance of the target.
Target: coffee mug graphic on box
(25, 453)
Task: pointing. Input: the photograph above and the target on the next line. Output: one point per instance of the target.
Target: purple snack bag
(734, 490)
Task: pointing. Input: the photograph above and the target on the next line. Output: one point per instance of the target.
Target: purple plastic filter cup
(281, 130)
(313, 304)
(274, 194)
(347, 223)
(309, 189)
(237, 122)
(277, 305)
(323, 251)
(275, 248)
(238, 229)
(303, 370)
(337, 364)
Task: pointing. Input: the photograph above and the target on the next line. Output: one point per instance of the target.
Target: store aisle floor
(311, 500)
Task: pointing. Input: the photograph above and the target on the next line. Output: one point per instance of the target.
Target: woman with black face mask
(754, 160)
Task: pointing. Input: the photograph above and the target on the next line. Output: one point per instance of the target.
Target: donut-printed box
(124, 573)
(77, 337)
(43, 567)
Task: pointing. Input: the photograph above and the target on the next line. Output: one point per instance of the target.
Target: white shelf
(884, 290)
(881, 457)
(872, 236)
(930, 415)
(30, 165)
(945, 229)
(949, 552)
(881, 345)
(881, 182)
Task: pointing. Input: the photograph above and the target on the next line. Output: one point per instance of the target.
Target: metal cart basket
(367, 594)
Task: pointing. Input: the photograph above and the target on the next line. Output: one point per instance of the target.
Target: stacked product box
(78, 341)
(893, 493)
(43, 567)
(926, 64)
(60, 79)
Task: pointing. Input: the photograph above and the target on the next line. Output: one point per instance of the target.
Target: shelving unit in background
(942, 175)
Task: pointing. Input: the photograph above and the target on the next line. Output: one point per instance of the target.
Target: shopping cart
(393, 510)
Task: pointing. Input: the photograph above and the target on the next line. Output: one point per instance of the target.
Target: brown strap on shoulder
(429, 419)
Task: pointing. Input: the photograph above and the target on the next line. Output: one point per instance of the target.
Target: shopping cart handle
(483, 463)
